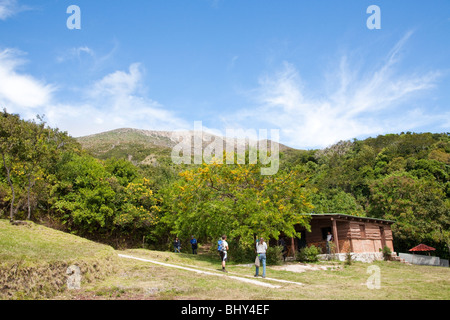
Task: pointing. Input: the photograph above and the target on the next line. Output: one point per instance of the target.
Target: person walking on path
(177, 245)
(261, 249)
(223, 252)
(194, 245)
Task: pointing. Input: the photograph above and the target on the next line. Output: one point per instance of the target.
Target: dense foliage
(47, 176)
(236, 200)
(400, 177)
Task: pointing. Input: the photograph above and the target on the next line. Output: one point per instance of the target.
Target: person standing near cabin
(223, 252)
(194, 245)
(261, 249)
(282, 243)
(177, 245)
(329, 239)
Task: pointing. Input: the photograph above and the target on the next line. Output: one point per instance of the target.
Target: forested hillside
(401, 177)
(46, 176)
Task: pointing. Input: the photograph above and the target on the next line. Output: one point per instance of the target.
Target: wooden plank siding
(355, 234)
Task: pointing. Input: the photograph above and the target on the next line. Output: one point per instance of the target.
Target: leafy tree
(84, 197)
(35, 149)
(11, 148)
(139, 208)
(417, 205)
(237, 200)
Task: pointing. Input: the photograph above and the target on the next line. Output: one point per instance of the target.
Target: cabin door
(301, 242)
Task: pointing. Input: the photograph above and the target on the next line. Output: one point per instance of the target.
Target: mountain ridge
(144, 146)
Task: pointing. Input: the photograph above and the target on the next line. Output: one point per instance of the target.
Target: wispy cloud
(75, 53)
(98, 59)
(9, 8)
(352, 103)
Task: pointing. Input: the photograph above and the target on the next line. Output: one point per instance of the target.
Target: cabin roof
(350, 217)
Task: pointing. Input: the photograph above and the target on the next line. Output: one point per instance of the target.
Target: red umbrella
(422, 247)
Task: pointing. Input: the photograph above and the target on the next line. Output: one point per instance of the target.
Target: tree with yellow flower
(237, 200)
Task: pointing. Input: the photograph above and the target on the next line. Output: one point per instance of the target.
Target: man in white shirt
(261, 249)
(223, 253)
(329, 239)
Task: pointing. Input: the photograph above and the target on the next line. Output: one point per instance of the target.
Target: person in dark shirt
(177, 245)
(194, 245)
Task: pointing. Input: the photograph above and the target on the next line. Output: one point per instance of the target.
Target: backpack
(219, 246)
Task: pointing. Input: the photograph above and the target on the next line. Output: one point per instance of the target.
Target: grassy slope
(35, 244)
(34, 259)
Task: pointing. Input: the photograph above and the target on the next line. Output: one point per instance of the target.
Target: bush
(309, 254)
(348, 258)
(239, 253)
(274, 255)
(242, 254)
(387, 253)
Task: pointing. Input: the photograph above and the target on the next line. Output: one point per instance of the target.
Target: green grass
(150, 281)
(33, 260)
(33, 244)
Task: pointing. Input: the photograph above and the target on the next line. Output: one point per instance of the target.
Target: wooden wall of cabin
(316, 236)
(368, 237)
(350, 234)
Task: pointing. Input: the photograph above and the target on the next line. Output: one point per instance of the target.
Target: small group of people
(193, 242)
(261, 251)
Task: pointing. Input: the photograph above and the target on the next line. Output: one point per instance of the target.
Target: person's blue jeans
(262, 262)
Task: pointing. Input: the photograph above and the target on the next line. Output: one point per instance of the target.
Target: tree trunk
(28, 197)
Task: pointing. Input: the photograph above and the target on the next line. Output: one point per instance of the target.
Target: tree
(139, 208)
(11, 148)
(35, 149)
(83, 195)
(237, 200)
(417, 205)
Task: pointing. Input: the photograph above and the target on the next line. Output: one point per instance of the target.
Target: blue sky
(311, 69)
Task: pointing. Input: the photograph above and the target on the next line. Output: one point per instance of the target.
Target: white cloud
(20, 89)
(351, 104)
(119, 83)
(116, 100)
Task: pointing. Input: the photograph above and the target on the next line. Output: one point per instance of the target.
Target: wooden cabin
(350, 233)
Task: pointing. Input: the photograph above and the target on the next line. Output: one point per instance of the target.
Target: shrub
(244, 254)
(309, 254)
(239, 253)
(387, 253)
(274, 255)
(348, 258)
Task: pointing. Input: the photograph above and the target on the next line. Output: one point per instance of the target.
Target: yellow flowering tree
(237, 200)
(140, 207)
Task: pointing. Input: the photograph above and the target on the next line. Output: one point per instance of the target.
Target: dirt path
(218, 274)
